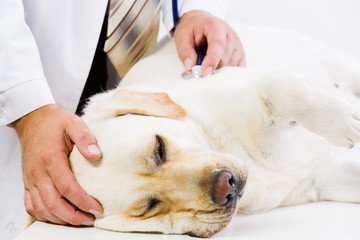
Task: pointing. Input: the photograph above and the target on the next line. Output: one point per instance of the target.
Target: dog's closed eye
(146, 207)
(159, 151)
(152, 204)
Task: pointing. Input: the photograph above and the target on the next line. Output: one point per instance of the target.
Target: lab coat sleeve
(215, 7)
(23, 87)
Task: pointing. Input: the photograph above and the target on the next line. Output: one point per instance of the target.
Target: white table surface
(325, 220)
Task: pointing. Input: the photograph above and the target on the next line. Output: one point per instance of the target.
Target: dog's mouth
(227, 189)
(212, 223)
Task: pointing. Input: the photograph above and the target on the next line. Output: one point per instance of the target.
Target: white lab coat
(46, 51)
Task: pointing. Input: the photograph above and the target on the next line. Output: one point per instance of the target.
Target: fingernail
(187, 64)
(88, 223)
(208, 71)
(93, 149)
(95, 212)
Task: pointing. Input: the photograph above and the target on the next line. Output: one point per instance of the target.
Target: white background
(334, 22)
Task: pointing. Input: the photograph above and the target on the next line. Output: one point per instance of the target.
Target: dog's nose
(224, 188)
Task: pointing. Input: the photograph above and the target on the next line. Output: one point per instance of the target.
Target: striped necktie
(133, 27)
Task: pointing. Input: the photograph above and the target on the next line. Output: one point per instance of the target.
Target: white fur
(280, 118)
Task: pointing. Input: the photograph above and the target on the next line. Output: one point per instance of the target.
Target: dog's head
(158, 172)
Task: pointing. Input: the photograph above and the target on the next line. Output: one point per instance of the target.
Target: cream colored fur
(274, 125)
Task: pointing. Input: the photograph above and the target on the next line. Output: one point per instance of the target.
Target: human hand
(197, 29)
(47, 136)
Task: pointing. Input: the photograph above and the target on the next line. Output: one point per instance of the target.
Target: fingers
(198, 28)
(61, 209)
(215, 51)
(29, 207)
(185, 47)
(66, 186)
(84, 140)
(223, 51)
(242, 63)
(237, 58)
(226, 58)
(39, 210)
(46, 204)
(46, 189)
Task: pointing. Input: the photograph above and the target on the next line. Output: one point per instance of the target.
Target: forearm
(23, 87)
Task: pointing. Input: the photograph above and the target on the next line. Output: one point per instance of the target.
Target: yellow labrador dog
(184, 156)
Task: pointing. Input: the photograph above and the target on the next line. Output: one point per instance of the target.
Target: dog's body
(178, 162)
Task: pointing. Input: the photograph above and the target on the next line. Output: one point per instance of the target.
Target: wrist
(20, 124)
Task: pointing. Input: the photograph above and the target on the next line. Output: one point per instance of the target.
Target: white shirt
(46, 51)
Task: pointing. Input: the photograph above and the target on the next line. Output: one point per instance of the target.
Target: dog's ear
(146, 103)
(156, 104)
(126, 101)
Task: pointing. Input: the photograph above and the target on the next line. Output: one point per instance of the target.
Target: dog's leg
(291, 100)
(339, 181)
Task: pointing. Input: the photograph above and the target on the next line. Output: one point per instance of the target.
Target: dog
(183, 156)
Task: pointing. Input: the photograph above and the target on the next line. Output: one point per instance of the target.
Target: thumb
(84, 140)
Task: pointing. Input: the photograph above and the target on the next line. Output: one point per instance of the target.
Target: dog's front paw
(289, 97)
(348, 132)
(337, 121)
